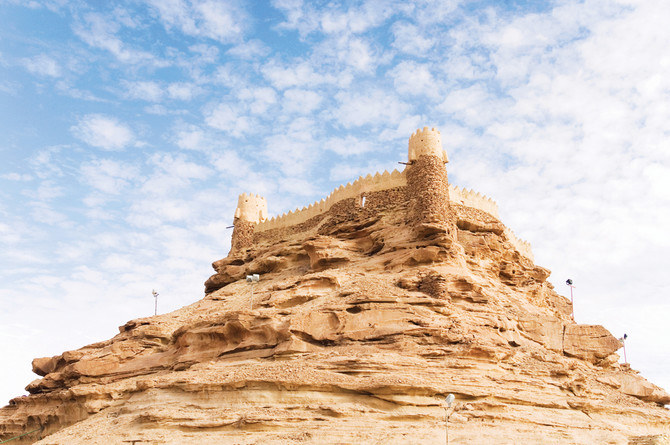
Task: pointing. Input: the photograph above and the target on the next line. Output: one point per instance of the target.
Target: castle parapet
(426, 142)
(430, 183)
(361, 186)
(470, 198)
(523, 247)
(251, 208)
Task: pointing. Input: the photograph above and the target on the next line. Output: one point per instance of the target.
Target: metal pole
(446, 424)
(572, 302)
(155, 305)
(625, 360)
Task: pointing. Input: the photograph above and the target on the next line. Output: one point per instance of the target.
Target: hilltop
(372, 305)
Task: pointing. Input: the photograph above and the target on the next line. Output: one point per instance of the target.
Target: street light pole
(572, 303)
(623, 340)
(450, 400)
(155, 294)
(252, 279)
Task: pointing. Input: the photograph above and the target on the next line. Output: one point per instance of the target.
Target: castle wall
(243, 234)
(428, 194)
(251, 208)
(361, 186)
(340, 212)
(522, 246)
(470, 198)
(395, 183)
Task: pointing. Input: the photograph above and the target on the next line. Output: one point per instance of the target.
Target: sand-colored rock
(363, 321)
(589, 342)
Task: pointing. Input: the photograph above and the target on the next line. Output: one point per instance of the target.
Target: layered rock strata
(356, 332)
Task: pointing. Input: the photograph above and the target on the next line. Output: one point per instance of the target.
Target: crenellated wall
(470, 198)
(522, 246)
(385, 181)
(424, 186)
(367, 184)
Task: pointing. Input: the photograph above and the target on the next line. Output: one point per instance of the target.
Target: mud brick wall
(243, 235)
(346, 210)
(428, 193)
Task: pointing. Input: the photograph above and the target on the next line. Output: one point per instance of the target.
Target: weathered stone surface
(360, 326)
(639, 387)
(545, 330)
(589, 342)
(44, 365)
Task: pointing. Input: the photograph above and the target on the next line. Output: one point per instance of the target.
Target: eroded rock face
(589, 342)
(356, 332)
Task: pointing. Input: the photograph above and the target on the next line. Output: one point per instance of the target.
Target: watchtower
(251, 209)
(427, 184)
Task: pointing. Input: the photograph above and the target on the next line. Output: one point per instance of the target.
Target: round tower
(426, 143)
(427, 184)
(251, 209)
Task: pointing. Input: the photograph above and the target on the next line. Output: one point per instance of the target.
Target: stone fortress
(251, 216)
(372, 306)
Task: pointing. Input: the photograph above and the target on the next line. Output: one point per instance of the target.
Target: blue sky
(129, 128)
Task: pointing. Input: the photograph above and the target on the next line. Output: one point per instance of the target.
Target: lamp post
(251, 279)
(623, 340)
(449, 400)
(155, 294)
(572, 304)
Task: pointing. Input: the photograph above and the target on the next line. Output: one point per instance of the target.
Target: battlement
(367, 184)
(522, 246)
(426, 142)
(470, 198)
(251, 208)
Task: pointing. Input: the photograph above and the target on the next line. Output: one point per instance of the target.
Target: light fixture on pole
(449, 400)
(155, 294)
(623, 340)
(251, 279)
(572, 304)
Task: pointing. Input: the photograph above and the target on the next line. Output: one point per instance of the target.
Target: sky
(128, 129)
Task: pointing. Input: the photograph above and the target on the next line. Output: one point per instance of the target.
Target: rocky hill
(365, 317)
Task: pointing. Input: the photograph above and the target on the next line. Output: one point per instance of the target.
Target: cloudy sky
(130, 127)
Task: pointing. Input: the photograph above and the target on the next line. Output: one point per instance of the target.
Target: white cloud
(230, 163)
(42, 65)
(221, 20)
(258, 99)
(297, 74)
(230, 119)
(410, 39)
(350, 145)
(104, 132)
(414, 79)
(301, 101)
(293, 148)
(16, 176)
(253, 49)
(100, 31)
(179, 167)
(373, 107)
(109, 176)
(190, 138)
(182, 90)
(355, 19)
(144, 90)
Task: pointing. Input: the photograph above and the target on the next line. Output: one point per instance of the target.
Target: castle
(423, 186)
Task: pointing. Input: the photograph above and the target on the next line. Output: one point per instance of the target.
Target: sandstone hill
(371, 307)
